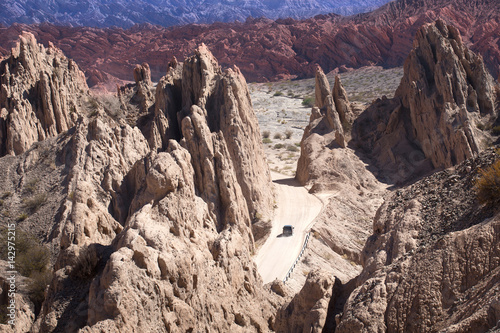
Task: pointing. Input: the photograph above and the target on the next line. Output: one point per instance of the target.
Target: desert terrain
(151, 197)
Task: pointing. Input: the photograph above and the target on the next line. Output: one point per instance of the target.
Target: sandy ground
(280, 116)
(345, 221)
(295, 207)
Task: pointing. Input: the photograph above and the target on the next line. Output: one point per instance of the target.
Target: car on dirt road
(288, 230)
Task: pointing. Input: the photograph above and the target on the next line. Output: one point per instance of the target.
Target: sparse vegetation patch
(488, 185)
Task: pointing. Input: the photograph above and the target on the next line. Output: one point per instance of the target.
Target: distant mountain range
(266, 49)
(126, 13)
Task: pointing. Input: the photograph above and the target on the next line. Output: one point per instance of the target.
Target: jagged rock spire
(41, 95)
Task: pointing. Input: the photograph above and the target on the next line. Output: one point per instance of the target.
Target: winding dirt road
(296, 207)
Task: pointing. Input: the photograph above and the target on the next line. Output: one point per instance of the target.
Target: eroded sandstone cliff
(41, 94)
(151, 214)
(445, 98)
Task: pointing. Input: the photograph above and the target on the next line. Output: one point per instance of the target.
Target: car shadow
(288, 181)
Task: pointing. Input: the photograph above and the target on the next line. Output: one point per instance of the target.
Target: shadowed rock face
(307, 311)
(166, 206)
(41, 95)
(432, 122)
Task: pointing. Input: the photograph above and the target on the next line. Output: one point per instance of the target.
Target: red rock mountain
(269, 50)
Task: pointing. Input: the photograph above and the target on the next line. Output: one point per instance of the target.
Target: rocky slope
(41, 94)
(149, 229)
(433, 261)
(445, 98)
(268, 50)
(125, 13)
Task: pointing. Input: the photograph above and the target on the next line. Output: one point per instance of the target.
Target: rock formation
(307, 312)
(150, 226)
(144, 86)
(325, 123)
(271, 50)
(40, 97)
(432, 122)
(433, 261)
(342, 103)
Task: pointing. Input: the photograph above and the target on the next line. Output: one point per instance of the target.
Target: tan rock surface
(445, 95)
(307, 312)
(151, 230)
(189, 234)
(41, 95)
(433, 262)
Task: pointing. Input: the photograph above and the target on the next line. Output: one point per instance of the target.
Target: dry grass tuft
(488, 185)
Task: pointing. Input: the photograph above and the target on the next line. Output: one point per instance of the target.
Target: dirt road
(295, 207)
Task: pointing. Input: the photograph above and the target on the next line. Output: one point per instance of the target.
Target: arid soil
(281, 112)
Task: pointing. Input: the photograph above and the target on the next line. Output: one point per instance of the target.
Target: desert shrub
(86, 264)
(495, 130)
(288, 134)
(278, 146)
(292, 148)
(267, 140)
(22, 217)
(266, 134)
(31, 186)
(308, 101)
(278, 93)
(488, 185)
(277, 136)
(93, 104)
(34, 260)
(31, 256)
(32, 204)
(36, 288)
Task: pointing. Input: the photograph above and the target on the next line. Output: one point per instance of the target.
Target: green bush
(22, 217)
(488, 185)
(266, 140)
(308, 101)
(292, 148)
(495, 130)
(278, 93)
(277, 136)
(278, 146)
